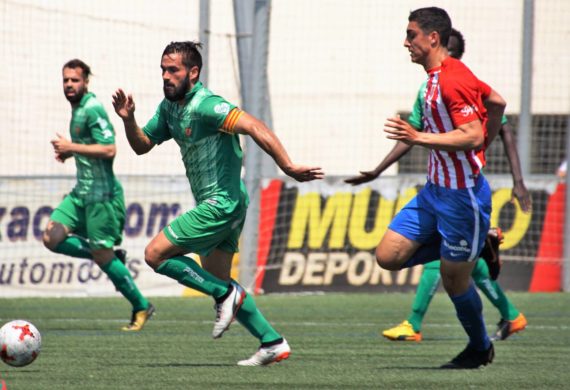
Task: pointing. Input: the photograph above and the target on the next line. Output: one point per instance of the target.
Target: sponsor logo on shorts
(462, 247)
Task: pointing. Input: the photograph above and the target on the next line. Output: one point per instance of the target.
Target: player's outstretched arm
(520, 191)
(495, 105)
(125, 108)
(268, 141)
(399, 150)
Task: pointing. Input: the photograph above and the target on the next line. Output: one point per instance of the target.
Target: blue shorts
(458, 218)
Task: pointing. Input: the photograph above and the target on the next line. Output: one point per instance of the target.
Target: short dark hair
(460, 42)
(77, 63)
(431, 19)
(190, 55)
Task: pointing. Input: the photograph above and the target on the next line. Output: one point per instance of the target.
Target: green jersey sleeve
(157, 128)
(213, 111)
(504, 120)
(100, 127)
(416, 117)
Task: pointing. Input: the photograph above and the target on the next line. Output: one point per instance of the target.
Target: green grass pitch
(335, 344)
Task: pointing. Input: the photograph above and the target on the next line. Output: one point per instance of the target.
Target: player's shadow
(417, 368)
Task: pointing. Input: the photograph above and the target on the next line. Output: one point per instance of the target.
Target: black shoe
(490, 252)
(121, 254)
(471, 358)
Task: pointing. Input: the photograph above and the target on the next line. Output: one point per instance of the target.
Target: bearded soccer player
(206, 127)
(89, 221)
(512, 320)
(449, 218)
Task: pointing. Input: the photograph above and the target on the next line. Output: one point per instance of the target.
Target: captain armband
(231, 119)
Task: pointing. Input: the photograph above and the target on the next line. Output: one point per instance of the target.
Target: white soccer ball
(20, 343)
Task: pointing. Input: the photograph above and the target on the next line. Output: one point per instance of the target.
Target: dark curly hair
(190, 55)
(77, 63)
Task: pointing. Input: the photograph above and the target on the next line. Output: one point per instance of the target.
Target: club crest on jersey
(188, 132)
(77, 130)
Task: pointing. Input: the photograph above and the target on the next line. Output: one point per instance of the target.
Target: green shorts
(101, 223)
(207, 227)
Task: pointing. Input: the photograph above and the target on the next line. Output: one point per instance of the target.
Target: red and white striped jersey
(454, 96)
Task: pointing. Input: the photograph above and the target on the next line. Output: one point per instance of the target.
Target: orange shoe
(402, 332)
(506, 328)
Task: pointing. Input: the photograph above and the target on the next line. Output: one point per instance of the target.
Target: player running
(206, 128)
(449, 218)
(512, 320)
(89, 221)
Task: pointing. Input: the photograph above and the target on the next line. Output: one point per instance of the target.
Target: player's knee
(53, 235)
(152, 256)
(455, 285)
(386, 260)
(50, 240)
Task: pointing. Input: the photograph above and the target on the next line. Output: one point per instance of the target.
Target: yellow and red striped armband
(231, 120)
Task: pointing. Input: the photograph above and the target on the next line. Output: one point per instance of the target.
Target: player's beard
(178, 93)
(76, 98)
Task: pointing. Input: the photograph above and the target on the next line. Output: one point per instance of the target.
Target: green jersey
(416, 117)
(89, 125)
(211, 153)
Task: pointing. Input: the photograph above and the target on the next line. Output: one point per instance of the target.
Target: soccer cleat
(470, 358)
(268, 355)
(226, 311)
(490, 252)
(139, 318)
(402, 332)
(506, 328)
(121, 254)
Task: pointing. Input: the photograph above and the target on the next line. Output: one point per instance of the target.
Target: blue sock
(425, 254)
(470, 313)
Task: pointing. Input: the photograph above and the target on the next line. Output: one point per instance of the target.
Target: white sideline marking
(301, 323)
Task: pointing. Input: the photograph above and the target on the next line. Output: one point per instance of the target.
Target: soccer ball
(20, 343)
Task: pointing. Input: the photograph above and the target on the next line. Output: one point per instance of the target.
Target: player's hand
(61, 145)
(303, 173)
(521, 194)
(400, 130)
(61, 157)
(124, 104)
(364, 177)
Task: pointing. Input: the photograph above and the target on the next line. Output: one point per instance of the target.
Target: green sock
(187, 272)
(74, 246)
(429, 282)
(123, 281)
(251, 318)
(493, 291)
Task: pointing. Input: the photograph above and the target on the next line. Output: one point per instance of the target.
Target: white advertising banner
(27, 268)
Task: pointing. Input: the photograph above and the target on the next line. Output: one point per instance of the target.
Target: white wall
(337, 69)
